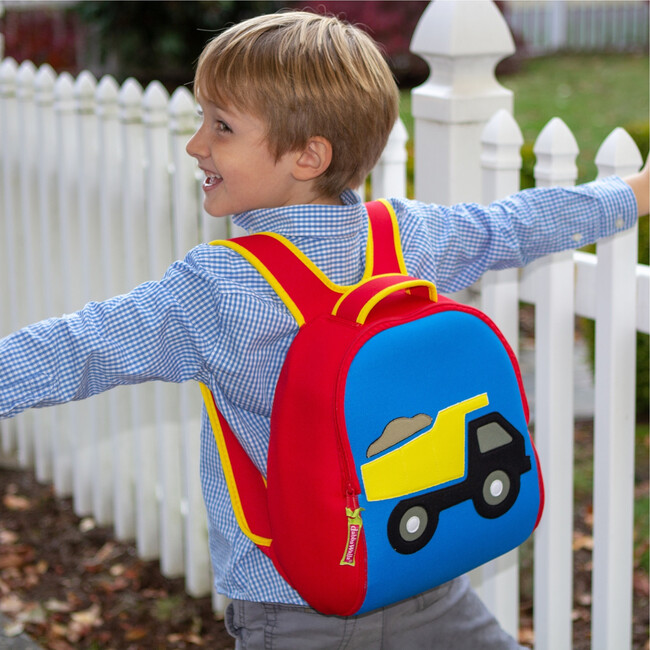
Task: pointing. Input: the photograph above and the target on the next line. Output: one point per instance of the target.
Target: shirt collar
(311, 220)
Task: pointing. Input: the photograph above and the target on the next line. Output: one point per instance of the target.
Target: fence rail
(97, 194)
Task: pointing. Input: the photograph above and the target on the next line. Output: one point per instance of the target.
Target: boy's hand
(640, 184)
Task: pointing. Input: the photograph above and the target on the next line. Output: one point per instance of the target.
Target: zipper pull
(355, 523)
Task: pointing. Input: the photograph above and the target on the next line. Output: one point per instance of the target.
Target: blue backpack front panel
(437, 426)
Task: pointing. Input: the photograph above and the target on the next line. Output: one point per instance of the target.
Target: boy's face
(241, 173)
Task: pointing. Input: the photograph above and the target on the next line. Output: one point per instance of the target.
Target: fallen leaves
(67, 583)
(582, 542)
(81, 623)
(21, 613)
(15, 555)
(16, 502)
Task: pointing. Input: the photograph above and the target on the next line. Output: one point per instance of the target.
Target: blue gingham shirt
(212, 318)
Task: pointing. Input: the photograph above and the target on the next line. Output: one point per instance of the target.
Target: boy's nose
(194, 148)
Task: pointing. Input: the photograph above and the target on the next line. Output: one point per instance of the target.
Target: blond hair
(306, 75)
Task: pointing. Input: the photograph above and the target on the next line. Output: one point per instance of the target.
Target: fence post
(553, 276)
(160, 246)
(462, 42)
(187, 214)
(501, 161)
(389, 175)
(614, 424)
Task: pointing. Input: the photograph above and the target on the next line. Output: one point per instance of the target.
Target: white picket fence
(547, 26)
(97, 194)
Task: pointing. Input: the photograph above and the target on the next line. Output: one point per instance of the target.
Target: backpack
(399, 454)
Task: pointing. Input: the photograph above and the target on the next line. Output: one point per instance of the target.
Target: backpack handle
(357, 303)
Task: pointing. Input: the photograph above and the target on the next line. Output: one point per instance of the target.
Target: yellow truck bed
(433, 458)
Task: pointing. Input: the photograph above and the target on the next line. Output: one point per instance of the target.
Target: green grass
(592, 93)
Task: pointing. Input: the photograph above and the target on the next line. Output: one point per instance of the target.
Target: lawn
(592, 93)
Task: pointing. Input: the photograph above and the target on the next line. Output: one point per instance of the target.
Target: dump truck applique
(444, 465)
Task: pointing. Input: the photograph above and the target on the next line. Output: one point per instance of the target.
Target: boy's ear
(314, 159)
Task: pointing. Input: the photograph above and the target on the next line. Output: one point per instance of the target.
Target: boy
(296, 110)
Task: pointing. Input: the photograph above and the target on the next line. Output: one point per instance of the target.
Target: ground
(69, 585)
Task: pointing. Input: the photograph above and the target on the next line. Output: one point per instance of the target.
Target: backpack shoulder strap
(301, 285)
(246, 485)
(384, 249)
(307, 292)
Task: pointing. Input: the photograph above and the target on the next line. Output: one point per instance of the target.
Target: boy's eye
(222, 127)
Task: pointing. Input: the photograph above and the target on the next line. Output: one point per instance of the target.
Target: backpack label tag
(354, 531)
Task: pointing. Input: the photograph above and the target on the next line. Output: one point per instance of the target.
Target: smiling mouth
(211, 181)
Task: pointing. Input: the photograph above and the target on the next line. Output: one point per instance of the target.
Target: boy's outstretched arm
(640, 184)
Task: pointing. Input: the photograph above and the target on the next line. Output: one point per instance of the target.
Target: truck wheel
(411, 526)
(498, 493)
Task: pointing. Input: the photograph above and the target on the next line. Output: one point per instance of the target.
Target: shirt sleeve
(455, 245)
(144, 335)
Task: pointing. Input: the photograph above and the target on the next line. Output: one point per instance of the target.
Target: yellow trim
(293, 248)
(398, 243)
(338, 288)
(228, 471)
(380, 295)
(352, 288)
(267, 275)
(370, 258)
(275, 285)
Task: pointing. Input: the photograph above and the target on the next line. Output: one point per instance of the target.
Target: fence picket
(85, 253)
(47, 202)
(166, 398)
(556, 151)
(62, 259)
(133, 417)
(614, 420)
(187, 213)
(498, 581)
(109, 158)
(25, 228)
(11, 431)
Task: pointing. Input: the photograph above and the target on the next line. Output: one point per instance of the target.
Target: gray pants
(450, 617)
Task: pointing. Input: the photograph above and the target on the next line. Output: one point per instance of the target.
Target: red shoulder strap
(307, 292)
(383, 236)
(301, 285)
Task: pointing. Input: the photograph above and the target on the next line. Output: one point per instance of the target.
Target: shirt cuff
(618, 203)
